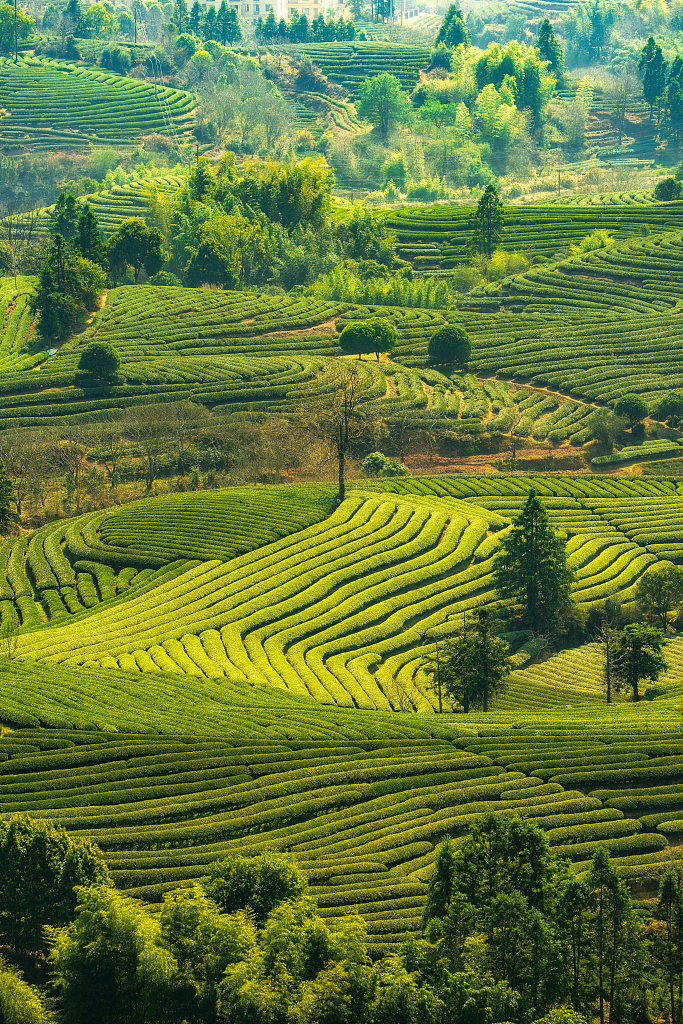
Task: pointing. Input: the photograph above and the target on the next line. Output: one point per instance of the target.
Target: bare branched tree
(19, 228)
(148, 429)
(335, 414)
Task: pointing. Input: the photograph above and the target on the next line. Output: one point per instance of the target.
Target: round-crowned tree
(450, 344)
(100, 360)
(671, 408)
(633, 407)
(364, 336)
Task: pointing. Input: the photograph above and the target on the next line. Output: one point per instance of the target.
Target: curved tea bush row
(470, 486)
(644, 452)
(637, 197)
(534, 230)
(74, 565)
(363, 813)
(349, 64)
(39, 93)
(293, 613)
(229, 383)
(113, 206)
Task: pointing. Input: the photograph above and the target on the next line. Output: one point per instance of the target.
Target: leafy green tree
(203, 943)
(574, 931)
(100, 360)
(384, 103)
(652, 67)
(670, 408)
(472, 667)
(365, 237)
(449, 345)
(668, 940)
(487, 222)
(633, 407)
(64, 217)
(453, 29)
(256, 883)
(88, 239)
(637, 655)
(39, 867)
(68, 287)
(8, 498)
(660, 590)
(531, 567)
(668, 190)
(110, 964)
(376, 464)
(549, 48)
(364, 336)
(137, 246)
(20, 1003)
(24, 26)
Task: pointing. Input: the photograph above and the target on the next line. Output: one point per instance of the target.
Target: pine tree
(653, 69)
(487, 222)
(88, 239)
(549, 48)
(531, 568)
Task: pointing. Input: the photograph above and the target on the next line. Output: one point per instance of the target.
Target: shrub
(378, 465)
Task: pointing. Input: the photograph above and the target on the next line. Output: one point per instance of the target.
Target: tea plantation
(438, 236)
(349, 64)
(218, 672)
(224, 671)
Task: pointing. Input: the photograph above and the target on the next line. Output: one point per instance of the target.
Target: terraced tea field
(50, 104)
(343, 610)
(349, 64)
(222, 672)
(362, 805)
(438, 237)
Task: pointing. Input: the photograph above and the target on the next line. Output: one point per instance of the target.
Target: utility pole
(16, 37)
(558, 183)
(135, 19)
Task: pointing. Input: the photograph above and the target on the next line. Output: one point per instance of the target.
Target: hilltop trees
(531, 569)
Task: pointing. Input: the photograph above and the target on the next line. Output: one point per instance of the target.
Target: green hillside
(48, 104)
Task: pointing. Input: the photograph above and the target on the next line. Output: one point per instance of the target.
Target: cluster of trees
(511, 929)
(300, 30)
(532, 577)
(266, 223)
(78, 262)
(510, 934)
(10, 32)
